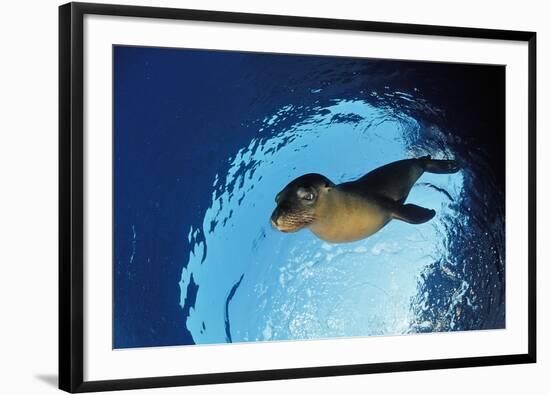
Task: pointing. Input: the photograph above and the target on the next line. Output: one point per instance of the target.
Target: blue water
(204, 140)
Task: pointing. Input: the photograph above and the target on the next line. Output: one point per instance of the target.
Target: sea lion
(357, 209)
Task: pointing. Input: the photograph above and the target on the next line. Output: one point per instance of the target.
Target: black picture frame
(71, 195)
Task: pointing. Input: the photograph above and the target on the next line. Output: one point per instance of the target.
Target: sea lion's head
(297, 202)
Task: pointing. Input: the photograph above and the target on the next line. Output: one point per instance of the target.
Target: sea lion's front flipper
(412, 213)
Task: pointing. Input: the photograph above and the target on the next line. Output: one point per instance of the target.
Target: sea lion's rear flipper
(440, 166)
(412, 213)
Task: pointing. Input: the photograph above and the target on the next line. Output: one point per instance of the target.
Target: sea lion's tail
(439, 166)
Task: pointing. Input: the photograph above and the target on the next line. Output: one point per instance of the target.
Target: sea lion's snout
(274, 217)
(273, 220)
(283, 222)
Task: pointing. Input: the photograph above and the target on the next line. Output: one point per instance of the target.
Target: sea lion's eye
(307, 194)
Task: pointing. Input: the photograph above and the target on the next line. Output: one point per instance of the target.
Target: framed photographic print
(258, 197)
